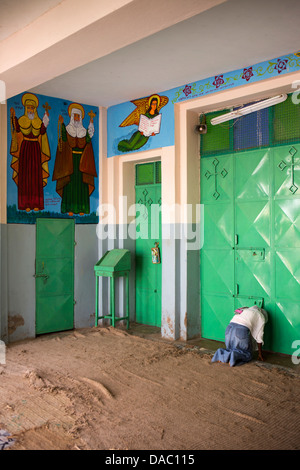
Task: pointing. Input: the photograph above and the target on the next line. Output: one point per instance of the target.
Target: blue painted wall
(52, 200)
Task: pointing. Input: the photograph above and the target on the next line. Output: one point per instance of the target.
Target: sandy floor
(103, 388)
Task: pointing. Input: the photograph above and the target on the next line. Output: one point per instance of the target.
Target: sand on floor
(105, 389)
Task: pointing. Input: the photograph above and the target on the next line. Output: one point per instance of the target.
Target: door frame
(123, 198)
(187, 141)
(154, 185)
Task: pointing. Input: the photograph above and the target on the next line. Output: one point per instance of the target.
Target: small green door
(54, 275)
(148, 228)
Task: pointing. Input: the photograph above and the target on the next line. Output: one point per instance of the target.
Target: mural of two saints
(74, 169)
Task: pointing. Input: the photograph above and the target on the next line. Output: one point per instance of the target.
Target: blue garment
(238, 344)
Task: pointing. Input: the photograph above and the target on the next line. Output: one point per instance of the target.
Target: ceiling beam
(66, 38)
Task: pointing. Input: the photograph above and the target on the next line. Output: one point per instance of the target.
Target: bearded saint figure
(74, 169)
(31, 153)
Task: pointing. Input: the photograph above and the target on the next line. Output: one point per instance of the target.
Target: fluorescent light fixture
(249, 109)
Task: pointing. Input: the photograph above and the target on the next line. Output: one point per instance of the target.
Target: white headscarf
(76, 130)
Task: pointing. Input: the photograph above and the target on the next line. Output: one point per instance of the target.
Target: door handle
(45, 276)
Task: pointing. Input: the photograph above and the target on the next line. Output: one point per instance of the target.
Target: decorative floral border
(284, 64)
(271, 68)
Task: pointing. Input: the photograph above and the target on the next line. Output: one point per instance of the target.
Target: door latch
(45, 276)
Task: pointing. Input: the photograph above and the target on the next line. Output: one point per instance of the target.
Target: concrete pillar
(3, 224)
(188, 170)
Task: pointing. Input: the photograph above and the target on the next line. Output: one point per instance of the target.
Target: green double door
(251, 250)
(54, 273)
(148, 232)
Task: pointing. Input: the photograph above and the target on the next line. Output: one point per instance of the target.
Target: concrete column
(188, 169)
(170, 327)
(105, 188)
(3, 224)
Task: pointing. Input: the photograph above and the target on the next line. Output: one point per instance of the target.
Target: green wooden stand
(114, 264)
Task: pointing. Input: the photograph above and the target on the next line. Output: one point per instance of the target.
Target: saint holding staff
(31, 153)
(74, 169)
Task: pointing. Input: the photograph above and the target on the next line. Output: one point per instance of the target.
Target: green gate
(251, 251)
(54, 275)
(148, 231)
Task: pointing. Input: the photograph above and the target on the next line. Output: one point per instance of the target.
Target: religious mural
(54, 144)
(53, 152)
(140, 124)
(147, 117)
(30, 153)
(118, 143)
(75, 169)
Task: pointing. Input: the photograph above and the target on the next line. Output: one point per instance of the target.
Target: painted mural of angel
(148, 119)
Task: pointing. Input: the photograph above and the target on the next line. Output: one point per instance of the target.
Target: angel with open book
(148, 119)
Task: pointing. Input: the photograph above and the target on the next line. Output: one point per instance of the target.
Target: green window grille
(218, 138)
(286, 122)
(158, 172)
(273, 126)
(148, 173)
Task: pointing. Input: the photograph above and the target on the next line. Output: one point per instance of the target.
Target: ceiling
(230, 36)
(16, 14)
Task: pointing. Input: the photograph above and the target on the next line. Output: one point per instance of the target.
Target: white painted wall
(86, 256)
(20, 281)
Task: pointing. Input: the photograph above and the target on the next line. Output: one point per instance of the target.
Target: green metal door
(54, 275)
(148, 231)
(253, 246)
(217, 254)
(286, 236)
(251, 251)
